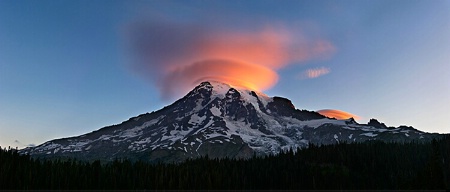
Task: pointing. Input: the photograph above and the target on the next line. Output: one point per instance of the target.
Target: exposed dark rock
(218, 121)
(377, 124)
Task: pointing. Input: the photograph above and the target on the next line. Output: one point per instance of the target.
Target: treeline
(369, 165)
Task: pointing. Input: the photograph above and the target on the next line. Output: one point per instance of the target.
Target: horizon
(70, 68)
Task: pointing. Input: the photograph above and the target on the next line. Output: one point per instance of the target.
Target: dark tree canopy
(369, 165)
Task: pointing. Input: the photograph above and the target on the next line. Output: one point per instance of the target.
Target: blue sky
(65, 68)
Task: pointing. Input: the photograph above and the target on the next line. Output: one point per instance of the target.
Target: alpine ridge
(218, 120)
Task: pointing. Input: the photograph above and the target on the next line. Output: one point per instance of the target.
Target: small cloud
(314, 73)
(31, 145)
(338, 114)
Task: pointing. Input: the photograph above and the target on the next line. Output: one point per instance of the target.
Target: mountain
(218, 120)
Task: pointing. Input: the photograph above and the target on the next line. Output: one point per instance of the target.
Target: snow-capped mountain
(218, 120)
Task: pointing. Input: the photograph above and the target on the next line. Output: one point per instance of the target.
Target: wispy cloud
(314, 73)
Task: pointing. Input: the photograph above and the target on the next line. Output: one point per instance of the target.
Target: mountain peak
(218, 120)
(220, 90)
(376, 123)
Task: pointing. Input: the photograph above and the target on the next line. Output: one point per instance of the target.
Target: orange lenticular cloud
(268, 47)
(237, 74)
(177, 56)
(333, 113)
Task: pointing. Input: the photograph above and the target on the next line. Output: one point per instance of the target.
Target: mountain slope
(218, 120)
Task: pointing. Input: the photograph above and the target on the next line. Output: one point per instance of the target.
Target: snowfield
(208, 115)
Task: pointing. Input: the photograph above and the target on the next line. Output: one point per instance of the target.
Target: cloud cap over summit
(175, 56)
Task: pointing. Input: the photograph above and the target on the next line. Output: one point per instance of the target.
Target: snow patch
(215, 111)
(370, 134)
(219, 89)
(195, 119)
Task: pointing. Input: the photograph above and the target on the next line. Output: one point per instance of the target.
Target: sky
(71, 67)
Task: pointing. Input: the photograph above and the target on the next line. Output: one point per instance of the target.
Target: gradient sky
(66, 67)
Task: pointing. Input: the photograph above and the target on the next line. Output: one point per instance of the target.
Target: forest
(371, 165)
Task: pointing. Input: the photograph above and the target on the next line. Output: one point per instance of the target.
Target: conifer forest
(351, 166)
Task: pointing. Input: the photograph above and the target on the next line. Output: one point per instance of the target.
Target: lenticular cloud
(338, 114)
(175, 57)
